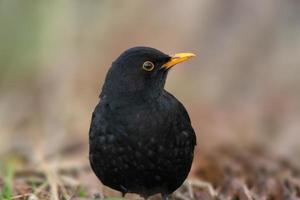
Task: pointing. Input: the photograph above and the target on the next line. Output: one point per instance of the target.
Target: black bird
(141, 138)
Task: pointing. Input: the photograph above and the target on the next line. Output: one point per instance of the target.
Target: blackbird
(141, 139)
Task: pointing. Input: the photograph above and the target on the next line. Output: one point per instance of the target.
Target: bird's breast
(140, 145)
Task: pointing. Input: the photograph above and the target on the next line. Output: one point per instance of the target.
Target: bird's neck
(133, 88)
(131, 96)
(124, 91)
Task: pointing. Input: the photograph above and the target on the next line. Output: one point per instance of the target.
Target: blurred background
(242, 90)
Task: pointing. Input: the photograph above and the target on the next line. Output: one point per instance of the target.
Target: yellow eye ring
(148, 66)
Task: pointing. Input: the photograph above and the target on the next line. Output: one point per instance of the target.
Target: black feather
(141, 138)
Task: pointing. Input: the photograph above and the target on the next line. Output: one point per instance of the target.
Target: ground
(225, 173)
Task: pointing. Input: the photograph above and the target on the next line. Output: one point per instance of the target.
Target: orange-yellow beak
(178, 58)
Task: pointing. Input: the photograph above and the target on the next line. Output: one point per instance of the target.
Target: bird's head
(140, 71)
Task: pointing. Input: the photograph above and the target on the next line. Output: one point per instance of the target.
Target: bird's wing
(183, 119)
(97, 126)
(186, 123)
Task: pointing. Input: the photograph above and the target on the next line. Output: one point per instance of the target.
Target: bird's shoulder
(176, 105)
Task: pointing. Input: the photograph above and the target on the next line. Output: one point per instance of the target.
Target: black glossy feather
(141, 138)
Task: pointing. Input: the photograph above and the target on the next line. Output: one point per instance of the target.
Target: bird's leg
(123, 194)
(164, 196)
(124, 191)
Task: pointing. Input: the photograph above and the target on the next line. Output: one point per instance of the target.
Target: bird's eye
(148, 66)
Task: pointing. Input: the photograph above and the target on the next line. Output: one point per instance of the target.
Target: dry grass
(226, 173)
(242, 92)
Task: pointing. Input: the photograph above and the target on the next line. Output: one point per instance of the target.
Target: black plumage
(141, 138)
